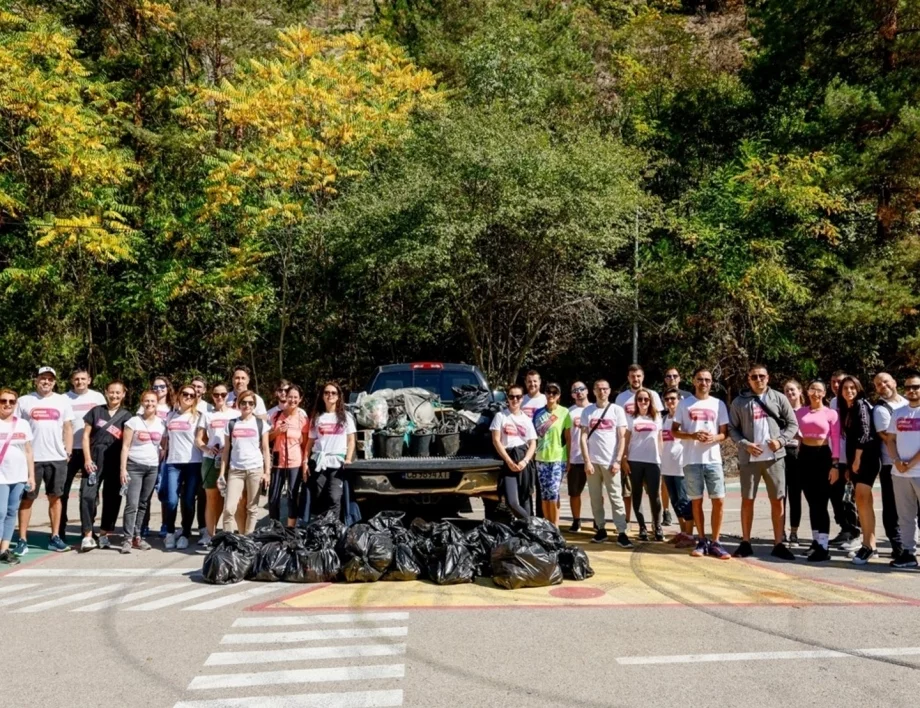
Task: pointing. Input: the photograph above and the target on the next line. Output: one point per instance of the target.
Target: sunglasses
(643, 400)
(554, 393)
(670, 399)
(580, 389)
(330, 393)
(188, 394)
(215, 394)
(515, 397)
(158, 387)
(7, 401)
(757, 377)
(247, 403)
(912, 387)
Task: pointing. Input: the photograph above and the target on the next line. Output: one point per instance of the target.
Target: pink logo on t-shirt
(179, 425)
(115, 432)
(144, 436)
(576, 422)
(644, 427)
(702, 414)
(908, 425)
(759, 413)
(218, 424)
(16, 436)
(630, 408)
(604, 424)
(162, 415)
(239, 432)
(510, 429)
(45, 414)
(667, 436)
(83, 406)
(330, 428)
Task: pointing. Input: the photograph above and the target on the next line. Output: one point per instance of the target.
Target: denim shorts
(710, 474)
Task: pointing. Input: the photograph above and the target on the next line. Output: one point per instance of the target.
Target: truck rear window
(439, 382)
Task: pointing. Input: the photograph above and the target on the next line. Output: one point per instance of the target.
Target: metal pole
(635, 338)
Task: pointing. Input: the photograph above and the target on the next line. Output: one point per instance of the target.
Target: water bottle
(124, 488)
(222, 486)
(91, 481)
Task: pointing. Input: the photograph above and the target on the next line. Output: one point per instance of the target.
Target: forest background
(314, 187)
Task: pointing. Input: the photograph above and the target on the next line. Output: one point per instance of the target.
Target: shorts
(550, 477)
(210, 470)
(868, 472)
(773, 473)
(54, 475)
(710, 474)
(577, 479)
(677, 490)
(626, 483)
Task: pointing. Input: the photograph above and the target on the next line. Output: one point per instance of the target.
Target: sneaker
(87, 544)
(819, 555)
(163, 531)
(781, 551)
(104, 541)
(9, 557)
(808, 551)
(716, 551)
(702, 547)
(126, 547)
(624, 542)
(905, 560)
(21, 548)
(793, 539)
(145, 532)
(851, 545)
(842, 537)
(181, 543)
(666, 519)
(659, 536)
(599, 537)
(896, 552)
(685, 540)
(575, 527)
(863, 555)
(643, 534)
(204, 538)
(140, 544)
(745, 550)
(57, 545)
(170, 542)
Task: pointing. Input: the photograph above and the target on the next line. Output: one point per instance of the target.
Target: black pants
(527, 482)
(74, 467)
(815, 465)
(108, 481)
(326, 489)
(646, 474)
(845, 514)
(793, 487)
(510, 485)
(292, 478)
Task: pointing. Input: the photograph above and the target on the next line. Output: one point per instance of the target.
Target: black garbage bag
(272, 531)
(405, 564)
(481, 540)
(539, 531)
(470, 397)
(432, 536)
(575, 564)
(387, 520)
(322, 532)
(366, 553)
(312, 566)
(517, 563)
(451, 565)
(229, 559)
(271, 562)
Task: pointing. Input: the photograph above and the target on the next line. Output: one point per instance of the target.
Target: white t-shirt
(843, 438)
(246, 451)
(46, 416)
(695, 415)
(215, 423)
(643, 439)
(529, 405)
(575, 456)
(672, 451)
(516, 429)
(881, 416)
(260, 403)
(331, 437)
(761, 433)
(82, 404)
(627, 401)
(181, 429)
(14, 468)
(905, 423)
(145, 443)
(163, 411)
(602, 444)
(203, 406)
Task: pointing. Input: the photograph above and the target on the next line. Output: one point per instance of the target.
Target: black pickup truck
(447, 482)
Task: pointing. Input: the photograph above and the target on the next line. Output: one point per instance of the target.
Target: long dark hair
(170, 395)
(843, 408)
(320, 406)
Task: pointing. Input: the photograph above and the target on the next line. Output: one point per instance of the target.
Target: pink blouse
(818, 425)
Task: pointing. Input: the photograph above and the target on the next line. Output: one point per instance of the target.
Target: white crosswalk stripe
(103, 572)
(231, 599)
(351, 699)
(7, 588)
(41, 592)
(70, 599)
(314, 635)
(267, 656)
(294, 620)
(176, 599)
(275, 678)
(130, 597)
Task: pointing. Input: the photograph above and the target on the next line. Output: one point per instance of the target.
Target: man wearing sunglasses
(672, 380)
(762, 423)
(904, 447)
(576, 479)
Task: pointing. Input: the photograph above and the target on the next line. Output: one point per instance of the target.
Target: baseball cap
(47, 370)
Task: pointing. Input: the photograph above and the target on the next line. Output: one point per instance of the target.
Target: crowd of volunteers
(210, 455)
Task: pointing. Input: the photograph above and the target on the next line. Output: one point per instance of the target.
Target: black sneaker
(818, 555)
(599, 537)
(666, 518)
(9, 558)
(643, 534)
(624, 542)
(841, 538)
(780, 551)
(576, 526)
(905, 560)
(659, 535)
(745, 550)
(863, 555)
(811, 549)
(896, 552)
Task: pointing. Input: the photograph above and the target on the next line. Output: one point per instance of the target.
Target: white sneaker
(170, 542)
(104, 541)
(87, 544)
(204, 538)
(182, 543)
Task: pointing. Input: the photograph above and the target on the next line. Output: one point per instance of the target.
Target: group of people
(209, 460)
(799, 442)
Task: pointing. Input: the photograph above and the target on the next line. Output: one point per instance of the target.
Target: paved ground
(652, 628)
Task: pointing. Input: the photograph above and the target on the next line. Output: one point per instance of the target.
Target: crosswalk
(133, 590)
(365, 664)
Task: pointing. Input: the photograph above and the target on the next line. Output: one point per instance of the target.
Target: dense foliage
(315, 186)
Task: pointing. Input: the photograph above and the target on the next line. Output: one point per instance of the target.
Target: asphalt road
(654, 627)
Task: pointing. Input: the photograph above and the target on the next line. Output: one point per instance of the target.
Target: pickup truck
(445, 482)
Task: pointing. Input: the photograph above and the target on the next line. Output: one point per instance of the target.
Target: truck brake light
(427, 365)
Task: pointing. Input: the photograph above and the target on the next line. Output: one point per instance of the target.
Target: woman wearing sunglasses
(553, 426)
(515, 441)
(17, 470)
(330, 447)
(212, 426)
(642, 460)
(141, 454)
(162, 387)
(182, 472)
(245, 463)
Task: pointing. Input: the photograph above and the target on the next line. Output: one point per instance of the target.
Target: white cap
(47, 370)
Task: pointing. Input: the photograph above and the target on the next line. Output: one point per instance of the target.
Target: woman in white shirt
(141, 453)
(212, 427)
(330, 448)
(17, 470)
(245, 462)
(515, 441)
(182, 472)
(643, 460)
(162, 387)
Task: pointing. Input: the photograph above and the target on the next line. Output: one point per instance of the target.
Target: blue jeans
(710, 474)
(677, 490)
(10, 496)
(180, 480)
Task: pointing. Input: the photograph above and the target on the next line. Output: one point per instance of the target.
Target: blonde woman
(245, 462)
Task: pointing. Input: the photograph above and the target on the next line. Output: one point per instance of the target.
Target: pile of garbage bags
(526, 554)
